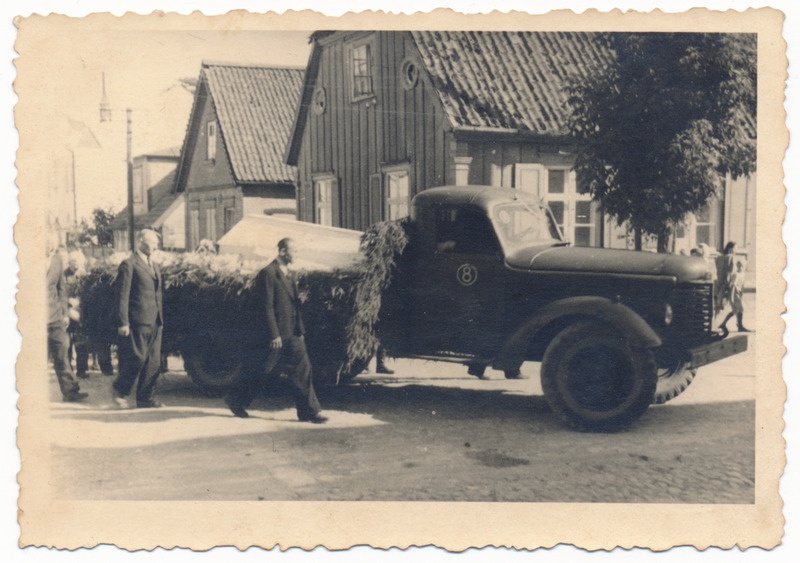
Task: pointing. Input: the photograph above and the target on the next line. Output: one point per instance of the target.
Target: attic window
(211, 140)
(361, 64)
(409, 73)
(319, 101)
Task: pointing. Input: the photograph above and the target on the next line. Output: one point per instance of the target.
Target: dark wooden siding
(354, 140)
(209, 183)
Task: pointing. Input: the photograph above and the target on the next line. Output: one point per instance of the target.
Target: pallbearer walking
(139, 323)
(279, 344)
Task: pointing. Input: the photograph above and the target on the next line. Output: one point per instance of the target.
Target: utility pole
(128, 138)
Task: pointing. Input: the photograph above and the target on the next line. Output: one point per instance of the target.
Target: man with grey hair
(140, 317)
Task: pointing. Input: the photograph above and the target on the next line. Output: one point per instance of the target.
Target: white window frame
(357, 92)
(211, 140)
(324, 196)
(399, 205)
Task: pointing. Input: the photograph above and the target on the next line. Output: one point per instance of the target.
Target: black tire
(213, 362)
(672, 381)
(593, 379)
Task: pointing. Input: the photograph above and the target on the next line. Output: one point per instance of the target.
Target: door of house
(574, 212)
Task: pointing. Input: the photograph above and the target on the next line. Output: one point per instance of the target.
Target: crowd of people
(279, 346)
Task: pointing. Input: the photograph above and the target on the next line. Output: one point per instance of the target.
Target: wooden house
(387, 114)
(232, 159)
(156, 203)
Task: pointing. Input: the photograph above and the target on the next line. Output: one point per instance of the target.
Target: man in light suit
(57, 321)
(281, 325)
(139, 323)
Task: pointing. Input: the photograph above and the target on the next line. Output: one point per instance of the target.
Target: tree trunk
(663, 242)
(637, 239)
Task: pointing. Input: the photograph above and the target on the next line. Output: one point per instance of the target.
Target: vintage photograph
(508, 268)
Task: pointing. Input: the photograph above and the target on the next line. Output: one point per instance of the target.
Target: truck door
(460, 296)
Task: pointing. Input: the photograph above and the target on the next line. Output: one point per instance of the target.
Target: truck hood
(607, 261)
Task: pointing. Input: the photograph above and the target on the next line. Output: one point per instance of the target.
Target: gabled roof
(154, 216)
(491, 81)
(255, 106)
(508, 80)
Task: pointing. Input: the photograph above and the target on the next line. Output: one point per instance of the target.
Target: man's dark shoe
(237, 410)
(82, 375)
(75, 397)
(151, 404)
(742, 329)
(314, 419)
(381, 368)
(516, 374)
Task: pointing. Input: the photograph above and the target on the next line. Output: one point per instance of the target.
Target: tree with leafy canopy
(99, 232)
(659, 126)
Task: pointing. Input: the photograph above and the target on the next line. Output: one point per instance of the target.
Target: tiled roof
(508, 80)
(255, 106)
(151, 218)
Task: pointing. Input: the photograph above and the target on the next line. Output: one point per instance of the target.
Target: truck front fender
(572, 309)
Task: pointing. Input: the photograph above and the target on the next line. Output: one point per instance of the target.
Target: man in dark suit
(281, 324)
(139, 322)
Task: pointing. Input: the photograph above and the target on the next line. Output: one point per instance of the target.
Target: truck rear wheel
(672, 381)
(594, 379)
(213, 362)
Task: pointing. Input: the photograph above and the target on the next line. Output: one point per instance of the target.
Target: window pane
(557, 207)
(583, 212)
(703, 235)
(583, 236)
(704, 214)
(362, 71)
(555, 181)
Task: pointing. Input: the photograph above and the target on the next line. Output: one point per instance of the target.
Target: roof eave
(301, 111)
(471, 132)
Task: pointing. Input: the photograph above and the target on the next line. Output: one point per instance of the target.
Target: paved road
(428, 432)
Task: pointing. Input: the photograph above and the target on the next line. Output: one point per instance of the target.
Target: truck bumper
(715, 351)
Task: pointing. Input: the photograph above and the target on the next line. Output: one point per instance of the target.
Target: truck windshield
(525, 224)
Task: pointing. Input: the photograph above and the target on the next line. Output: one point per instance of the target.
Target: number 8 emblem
(467, 274)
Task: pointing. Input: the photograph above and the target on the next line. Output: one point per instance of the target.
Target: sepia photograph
(309, 280)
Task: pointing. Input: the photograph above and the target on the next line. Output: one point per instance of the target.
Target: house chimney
(105, 108)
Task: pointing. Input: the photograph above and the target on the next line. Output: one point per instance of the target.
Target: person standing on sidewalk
(139, 323)
(281, 325)
(57, 322)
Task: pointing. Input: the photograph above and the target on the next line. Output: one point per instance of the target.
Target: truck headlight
(668, 314)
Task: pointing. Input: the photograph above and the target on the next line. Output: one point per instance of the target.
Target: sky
(189, 66)
(62, 64)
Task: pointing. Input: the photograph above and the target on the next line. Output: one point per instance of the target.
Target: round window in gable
(409, 73)
(319, 101)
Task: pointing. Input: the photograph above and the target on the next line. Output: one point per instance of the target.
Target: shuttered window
(194, 228)
(211, 224)
(324, 198)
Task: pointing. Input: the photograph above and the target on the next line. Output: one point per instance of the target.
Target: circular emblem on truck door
(467, 274)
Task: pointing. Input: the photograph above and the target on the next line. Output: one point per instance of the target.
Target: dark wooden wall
(354, 140)
(209, 183)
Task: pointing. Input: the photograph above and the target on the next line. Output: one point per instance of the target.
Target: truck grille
(693, 311)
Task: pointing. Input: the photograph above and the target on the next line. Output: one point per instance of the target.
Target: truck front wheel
(594, 379)
(672, 381)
